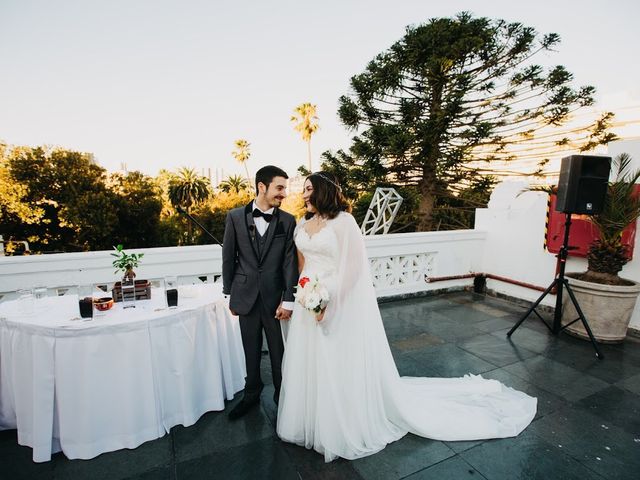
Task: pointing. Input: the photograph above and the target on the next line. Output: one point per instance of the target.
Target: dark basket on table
(142, 291)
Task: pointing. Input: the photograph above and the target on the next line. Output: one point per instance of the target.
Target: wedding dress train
(341, 392)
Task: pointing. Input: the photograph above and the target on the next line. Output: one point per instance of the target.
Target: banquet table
(85, 387)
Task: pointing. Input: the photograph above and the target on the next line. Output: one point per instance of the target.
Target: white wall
(399, 263)
(514, 223)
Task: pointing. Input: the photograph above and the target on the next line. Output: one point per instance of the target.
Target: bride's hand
(320, 316)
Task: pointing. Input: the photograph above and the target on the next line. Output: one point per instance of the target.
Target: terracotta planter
(607, 308)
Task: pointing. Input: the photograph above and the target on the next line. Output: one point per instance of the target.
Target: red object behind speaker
(582, 233)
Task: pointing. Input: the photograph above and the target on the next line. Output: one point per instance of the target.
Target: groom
(259, 272)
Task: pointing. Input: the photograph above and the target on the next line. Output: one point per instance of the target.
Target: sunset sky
(164, 84)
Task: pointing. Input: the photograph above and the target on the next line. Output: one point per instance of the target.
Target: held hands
(283, 313)
(320, 316)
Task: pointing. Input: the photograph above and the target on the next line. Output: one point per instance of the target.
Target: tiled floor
(587, 427)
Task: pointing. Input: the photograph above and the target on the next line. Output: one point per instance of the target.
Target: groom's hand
(283, 313)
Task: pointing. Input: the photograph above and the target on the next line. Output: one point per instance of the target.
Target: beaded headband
(323, 176)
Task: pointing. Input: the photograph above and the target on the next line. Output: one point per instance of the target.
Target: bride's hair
(327, 197)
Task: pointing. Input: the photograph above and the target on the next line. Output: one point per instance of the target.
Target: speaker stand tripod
(560, 283)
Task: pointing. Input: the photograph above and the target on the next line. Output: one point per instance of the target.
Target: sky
(165, 84)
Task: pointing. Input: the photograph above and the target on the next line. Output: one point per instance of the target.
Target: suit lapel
(251, 228)
(273, 225)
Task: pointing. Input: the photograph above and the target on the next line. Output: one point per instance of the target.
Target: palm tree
(187, 189)
(608, 254)
(305, 122)
(235, 183)
(242, 154)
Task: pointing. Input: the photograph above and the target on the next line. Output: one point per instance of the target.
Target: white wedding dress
(341, 392)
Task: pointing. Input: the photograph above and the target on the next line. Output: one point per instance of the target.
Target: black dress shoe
(241, 409)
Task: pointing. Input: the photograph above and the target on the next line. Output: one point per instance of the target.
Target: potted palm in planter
(606, 299)
(126, 262)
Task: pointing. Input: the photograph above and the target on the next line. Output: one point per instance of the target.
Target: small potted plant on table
(126, 262)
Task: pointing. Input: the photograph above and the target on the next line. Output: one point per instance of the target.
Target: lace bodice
(320, 250)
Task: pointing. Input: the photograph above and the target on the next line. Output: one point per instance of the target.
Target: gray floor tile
(472, 313)
(408, 455)
(580, 355)
(214, 432)
(16, 461)
(558, 378)
(416, 342)
(310, 465)
(547, 401)
(166, 473)
(462, 446)
(495, 350)
(494, 324)
(539, 341)
(410, 367)
(265, 459)
(121, 464)
(450, 361)
(617, 406)
(632, 384)
(453, 468)
(597, 444)
(526, 457)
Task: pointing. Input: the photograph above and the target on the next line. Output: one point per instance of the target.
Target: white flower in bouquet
(312, 295)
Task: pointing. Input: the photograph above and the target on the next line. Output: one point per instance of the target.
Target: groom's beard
(276, 202)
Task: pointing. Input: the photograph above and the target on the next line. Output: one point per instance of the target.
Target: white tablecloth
(119, 380)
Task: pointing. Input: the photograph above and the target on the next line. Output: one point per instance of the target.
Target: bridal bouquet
(312, 295)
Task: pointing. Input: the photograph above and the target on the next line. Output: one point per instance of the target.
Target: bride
(341, 392)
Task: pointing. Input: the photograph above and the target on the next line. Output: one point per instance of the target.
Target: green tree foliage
(187, 189)
(70, 190)
(13, 205)
(139, 207)
(242, 154)
(234, 183)
(60, 200)
(455, 94)
(213, 212)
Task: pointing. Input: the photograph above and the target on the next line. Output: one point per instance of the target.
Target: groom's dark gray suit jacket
(251, 266)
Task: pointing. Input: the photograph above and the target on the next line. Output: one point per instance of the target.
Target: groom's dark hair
(267, 174)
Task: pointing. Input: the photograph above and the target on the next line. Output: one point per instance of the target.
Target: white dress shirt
(261, 226)
(261, 223)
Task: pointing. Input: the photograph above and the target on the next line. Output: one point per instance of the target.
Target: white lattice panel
(383, 209)
(402, 272)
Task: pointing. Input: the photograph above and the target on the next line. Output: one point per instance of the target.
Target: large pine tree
(456, 93)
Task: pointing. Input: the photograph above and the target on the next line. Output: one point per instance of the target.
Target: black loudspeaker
(582, 186)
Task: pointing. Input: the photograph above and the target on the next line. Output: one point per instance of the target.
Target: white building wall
(399, 263)
(514, 222)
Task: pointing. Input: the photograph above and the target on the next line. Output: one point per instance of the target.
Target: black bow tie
(259, 213)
